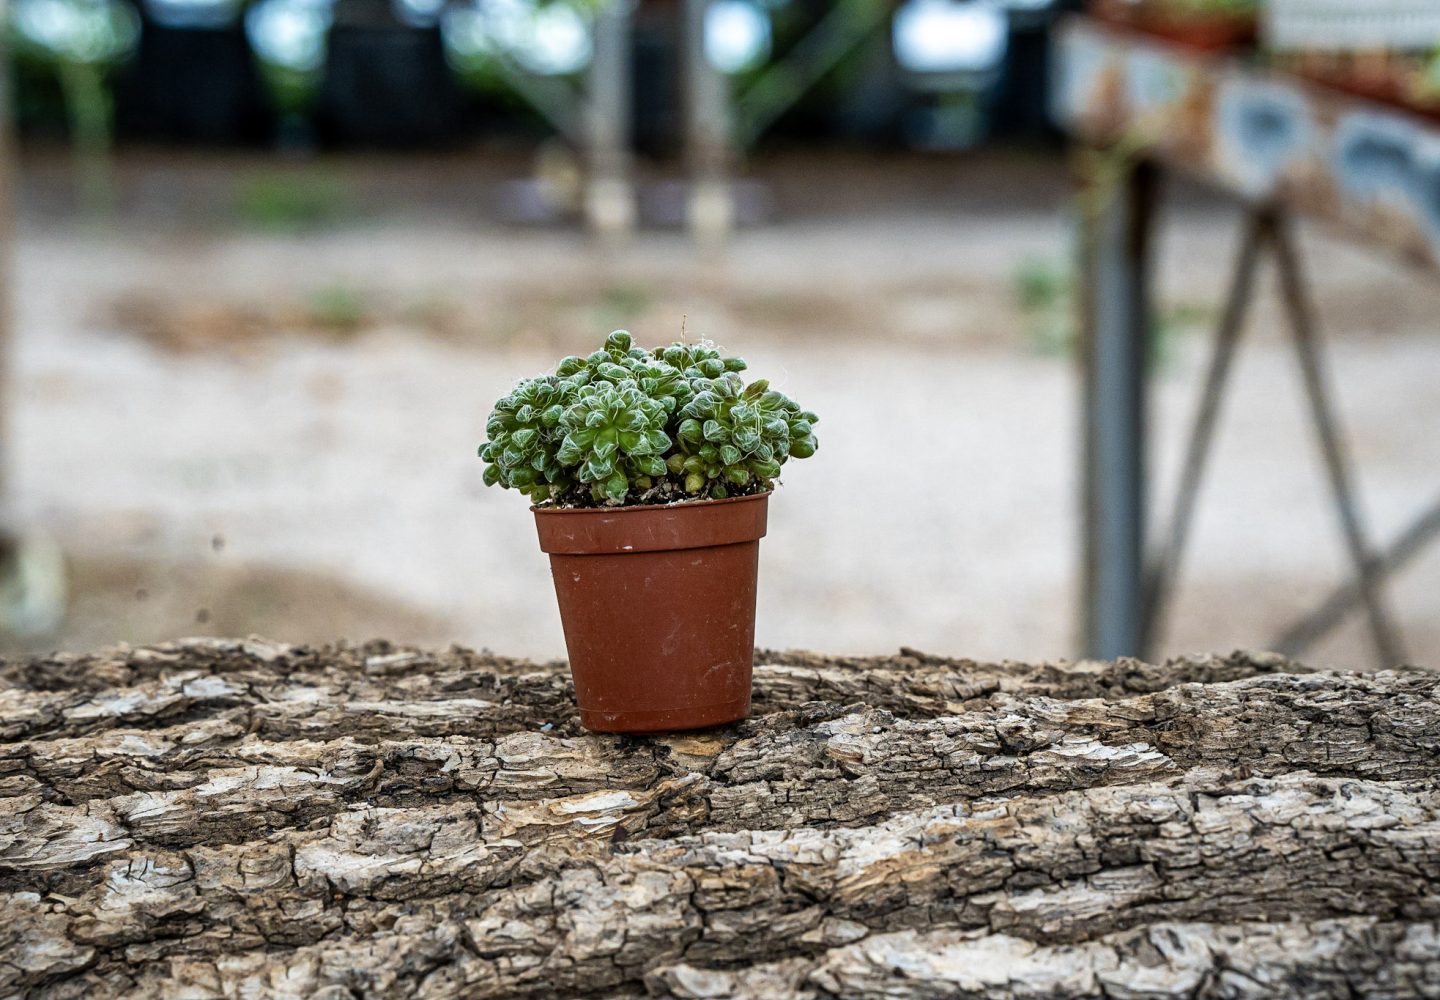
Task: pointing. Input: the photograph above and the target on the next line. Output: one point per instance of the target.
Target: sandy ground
(208, 475)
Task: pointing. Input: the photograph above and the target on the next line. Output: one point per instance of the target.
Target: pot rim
(652, 527)
(651, 507)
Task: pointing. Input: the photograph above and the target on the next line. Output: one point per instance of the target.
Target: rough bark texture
(245, 819)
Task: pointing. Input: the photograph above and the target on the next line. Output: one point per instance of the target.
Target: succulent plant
(629, 426)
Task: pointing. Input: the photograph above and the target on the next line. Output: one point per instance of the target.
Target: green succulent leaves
(625, 425)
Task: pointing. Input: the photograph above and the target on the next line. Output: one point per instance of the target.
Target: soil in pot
(658, 607)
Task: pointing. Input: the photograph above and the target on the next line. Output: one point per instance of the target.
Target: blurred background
(271, 262)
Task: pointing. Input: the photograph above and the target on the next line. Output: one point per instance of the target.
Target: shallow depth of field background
(250, 377)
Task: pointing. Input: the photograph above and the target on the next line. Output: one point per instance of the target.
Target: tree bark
(225, 819)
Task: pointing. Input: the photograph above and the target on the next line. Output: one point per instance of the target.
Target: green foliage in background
(289, 201)
(81, 42)
(1044, 293)
(626, 425)
(1234, 7)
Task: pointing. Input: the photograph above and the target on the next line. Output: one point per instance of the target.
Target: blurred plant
(483, 38)
(290, 202)
(621, 300)
(629, 426)
(1044, 292)
(1140, 9)
(83, 41)
(289, 39)
(339, 308)
(1235, 7)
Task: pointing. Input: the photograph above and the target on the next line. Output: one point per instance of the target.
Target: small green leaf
(617, 486)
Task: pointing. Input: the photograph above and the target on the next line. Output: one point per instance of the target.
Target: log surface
(246, 819)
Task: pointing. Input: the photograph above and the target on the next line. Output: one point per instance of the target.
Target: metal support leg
(1348, 595)
(1307, 347)
(1116, 318)
(1166, 565)
(711, 209)
(609, 194)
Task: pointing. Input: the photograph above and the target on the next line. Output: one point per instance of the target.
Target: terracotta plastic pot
(658, 605)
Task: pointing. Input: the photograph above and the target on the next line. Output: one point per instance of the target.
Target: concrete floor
(283, 440)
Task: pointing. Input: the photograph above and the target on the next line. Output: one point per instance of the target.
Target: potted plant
(1209, 25)
(650, 473)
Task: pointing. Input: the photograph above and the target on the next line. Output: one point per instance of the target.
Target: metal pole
(7, 271)
(609, 194)
(1116, 310)
(33, 590)
(711, 209)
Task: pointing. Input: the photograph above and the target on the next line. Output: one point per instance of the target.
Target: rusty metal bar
(1304, 633)
(1300, 312)
(1165, 566)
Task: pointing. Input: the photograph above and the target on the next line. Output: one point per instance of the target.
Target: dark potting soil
(662, 494)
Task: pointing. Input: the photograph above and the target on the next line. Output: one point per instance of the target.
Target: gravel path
(208, 476)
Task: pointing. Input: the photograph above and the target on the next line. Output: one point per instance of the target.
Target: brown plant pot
(658, 606)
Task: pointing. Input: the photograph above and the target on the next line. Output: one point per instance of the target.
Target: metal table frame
(1128, 579)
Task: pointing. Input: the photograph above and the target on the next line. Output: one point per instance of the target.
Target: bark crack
(222, 818)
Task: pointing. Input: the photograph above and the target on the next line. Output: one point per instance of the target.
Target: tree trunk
(225, 819)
